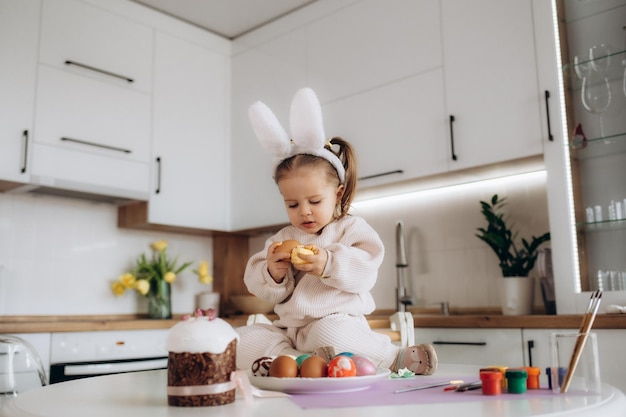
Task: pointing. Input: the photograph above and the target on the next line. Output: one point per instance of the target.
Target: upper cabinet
(88, 41)
(190, 152)
(492, 96)
(92, 117)
(385, 96)
(440, 86)
(19, 37)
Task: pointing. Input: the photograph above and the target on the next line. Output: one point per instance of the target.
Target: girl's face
(310, 199)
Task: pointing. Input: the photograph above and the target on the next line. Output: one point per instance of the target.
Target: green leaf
(501, 239)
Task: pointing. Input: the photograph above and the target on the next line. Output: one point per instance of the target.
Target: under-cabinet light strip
(523, 178)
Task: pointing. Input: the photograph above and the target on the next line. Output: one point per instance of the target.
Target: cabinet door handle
(547, 96)
(101, 71)
(95, 144)
(382, 174)
(531, 345)
(158, 164)
(439, 342)
(452, 137)
(25, 159)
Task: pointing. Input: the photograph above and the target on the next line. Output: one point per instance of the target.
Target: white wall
(59, 256)
(447, 262)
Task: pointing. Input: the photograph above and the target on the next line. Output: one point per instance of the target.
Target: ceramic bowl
(251, 304)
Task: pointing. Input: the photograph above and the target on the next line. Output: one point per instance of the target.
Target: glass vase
(160, 300)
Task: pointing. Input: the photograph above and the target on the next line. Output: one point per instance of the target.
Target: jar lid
(532, 370)
(516, 373)
(491, 375)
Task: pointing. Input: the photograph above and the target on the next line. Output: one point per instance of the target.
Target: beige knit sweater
(355, 252)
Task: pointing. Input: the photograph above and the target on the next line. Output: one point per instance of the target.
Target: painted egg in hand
(363, 366)
(341, 366)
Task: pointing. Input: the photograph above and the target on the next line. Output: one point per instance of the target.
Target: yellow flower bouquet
(152, 276)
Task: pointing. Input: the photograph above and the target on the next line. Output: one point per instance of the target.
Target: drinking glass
(596, 96)
(600, 57)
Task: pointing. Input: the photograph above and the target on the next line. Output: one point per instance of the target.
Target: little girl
(321, 305)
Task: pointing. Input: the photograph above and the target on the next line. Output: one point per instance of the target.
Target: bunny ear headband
(307, 128)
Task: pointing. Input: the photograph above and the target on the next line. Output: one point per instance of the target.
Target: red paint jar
(533, 377)
(491, 382)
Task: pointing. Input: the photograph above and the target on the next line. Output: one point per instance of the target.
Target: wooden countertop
(379, 320)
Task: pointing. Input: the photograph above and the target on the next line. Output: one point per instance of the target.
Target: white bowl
(251, 304)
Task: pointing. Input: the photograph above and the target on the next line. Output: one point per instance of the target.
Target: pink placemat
(382, 393)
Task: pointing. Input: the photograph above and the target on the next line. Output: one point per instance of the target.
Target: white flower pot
(517, 295)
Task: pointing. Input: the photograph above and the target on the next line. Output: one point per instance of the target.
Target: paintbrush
(581, 338)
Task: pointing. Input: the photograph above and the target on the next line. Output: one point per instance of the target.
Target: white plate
(318, 385)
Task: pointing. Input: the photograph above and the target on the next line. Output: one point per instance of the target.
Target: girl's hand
(278, 263)
(315, 263)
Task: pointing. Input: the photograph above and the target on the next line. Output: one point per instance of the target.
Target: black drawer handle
(439, 342)
(97, 145)
(101, 71)
(452, 137)
(547, 96)
(382, 174)
(24, 161)
(159, 166)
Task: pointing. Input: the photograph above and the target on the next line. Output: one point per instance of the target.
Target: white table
(141, 394)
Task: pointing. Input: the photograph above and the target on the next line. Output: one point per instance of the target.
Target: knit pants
(343, 332)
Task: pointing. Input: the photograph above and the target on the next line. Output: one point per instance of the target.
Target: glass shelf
(602, 226)
(599, 140)
(572, 66)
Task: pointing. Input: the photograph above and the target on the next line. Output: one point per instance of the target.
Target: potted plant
(515, 262)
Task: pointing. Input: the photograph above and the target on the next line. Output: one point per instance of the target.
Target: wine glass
(582, 68)
(596, 96)
(600, 57)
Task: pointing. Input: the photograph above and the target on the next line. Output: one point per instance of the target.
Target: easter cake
(202, 355)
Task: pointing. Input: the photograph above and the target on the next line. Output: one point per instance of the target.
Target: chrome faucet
(402, 299)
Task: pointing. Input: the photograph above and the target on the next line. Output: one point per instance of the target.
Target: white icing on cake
(199, 335)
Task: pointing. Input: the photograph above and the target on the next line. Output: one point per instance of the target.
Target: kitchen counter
(379, 321)
(139, 394)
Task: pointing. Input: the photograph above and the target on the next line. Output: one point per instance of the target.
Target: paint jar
(502, 370)
(533, 377)
(491, 381)
(516, 381)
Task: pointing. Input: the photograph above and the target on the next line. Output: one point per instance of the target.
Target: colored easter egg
(341, 366)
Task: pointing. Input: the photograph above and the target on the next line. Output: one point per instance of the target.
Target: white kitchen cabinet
(271, 72)
(481, 347)
(610, 352)
(371, 43)
(19, 37)
(93, 103)
(90, 137)
(88, 41)
(491, 81)
(396, 129)
(190, 152)
(393, 97)
(380, 89)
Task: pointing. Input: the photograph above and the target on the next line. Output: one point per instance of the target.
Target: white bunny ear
(268, 130)
(305, 120)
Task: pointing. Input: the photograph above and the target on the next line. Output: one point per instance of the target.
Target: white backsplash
(59, 256)
(447, 262)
